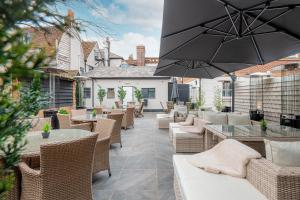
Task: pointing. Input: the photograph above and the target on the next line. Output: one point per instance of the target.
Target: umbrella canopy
(230, 31)
(175, 93)
(196, 69)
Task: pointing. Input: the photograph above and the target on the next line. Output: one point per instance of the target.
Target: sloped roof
(115, 56)
(88, 47)
(45, 38)
(129, 72)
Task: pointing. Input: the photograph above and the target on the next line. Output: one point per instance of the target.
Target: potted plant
(63, 111)
(201, 101)
(263, 125)
(218, 99)
(138, 95)
(46, 130)
(121, 94)
(94, 112)
(101, 94)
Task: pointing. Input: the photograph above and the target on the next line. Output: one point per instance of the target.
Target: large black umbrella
(230, 31)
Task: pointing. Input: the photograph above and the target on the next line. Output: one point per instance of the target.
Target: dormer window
(97, 55)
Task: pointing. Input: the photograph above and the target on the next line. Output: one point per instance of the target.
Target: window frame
(107, 93)
(87, 93)
(153, 91)
(227, 91)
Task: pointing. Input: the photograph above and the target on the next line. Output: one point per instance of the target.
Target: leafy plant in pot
(46, 130)
(263, 125)
(94, 113)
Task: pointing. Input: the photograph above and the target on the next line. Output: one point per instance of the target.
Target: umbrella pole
(233, 78)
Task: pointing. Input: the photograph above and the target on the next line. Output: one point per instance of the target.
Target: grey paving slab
(142, 169)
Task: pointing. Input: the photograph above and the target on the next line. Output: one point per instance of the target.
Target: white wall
(161, 90)
(70, 52)
(115, 62)
(90, 61)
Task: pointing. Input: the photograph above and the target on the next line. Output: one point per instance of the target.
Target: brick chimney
(69, 19)
(140, 55)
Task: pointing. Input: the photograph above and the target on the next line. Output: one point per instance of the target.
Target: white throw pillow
(286, 154)
(216, 118)
(238, 119)
(189, 121)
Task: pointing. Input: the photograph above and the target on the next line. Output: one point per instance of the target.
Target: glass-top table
(254, 133)
(88, 118)
(251, 135)
(34, 139)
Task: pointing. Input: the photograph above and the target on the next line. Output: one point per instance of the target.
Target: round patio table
(35, 139)
(88, 118)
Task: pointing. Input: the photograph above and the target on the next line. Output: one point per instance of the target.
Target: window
(27, 38)
(227, 89)
(87, 93)
(110, 93)
(148, 93)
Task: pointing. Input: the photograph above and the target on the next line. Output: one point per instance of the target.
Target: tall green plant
(218, 99)
(138, 95)
(121, 94)
(201, 100)
(18, 60)
(78, 94)
(101, 94)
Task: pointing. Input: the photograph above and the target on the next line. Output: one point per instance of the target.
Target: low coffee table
(250, 135)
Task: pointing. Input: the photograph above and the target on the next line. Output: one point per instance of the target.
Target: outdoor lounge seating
(65, 123)
(53, 180)
(163, 120)
(104, 129)
(189, 139)
(128, 119)
(225, 118)
(188, 122)
(264, 180)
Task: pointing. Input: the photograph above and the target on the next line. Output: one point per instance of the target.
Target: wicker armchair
(128, 119)
(99, 110)
(104, 129)
(276, 183)
(116, 134)
(78, 112)
(38, 123)
(118, 104)
(139, 111)
(65, 172)
(65, 123)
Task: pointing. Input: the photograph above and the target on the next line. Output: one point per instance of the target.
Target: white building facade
(154, 89)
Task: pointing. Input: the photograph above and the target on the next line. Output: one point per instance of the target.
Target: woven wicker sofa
(264, 181)
(163, 120)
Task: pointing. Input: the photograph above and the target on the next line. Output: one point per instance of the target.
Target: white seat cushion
(178, 133)
(162, 116)
(216, 118)
(196, 184)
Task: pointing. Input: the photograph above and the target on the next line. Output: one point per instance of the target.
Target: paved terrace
(142, 169)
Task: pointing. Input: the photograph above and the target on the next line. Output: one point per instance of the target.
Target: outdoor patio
(142, 169)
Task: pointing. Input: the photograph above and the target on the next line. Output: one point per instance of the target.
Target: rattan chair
(65, 123)
(78, 112)
(139, 111)
(104, 129)
(99, 110)
(118, 104)
(65, 172)
(38, 123)
(116, 134)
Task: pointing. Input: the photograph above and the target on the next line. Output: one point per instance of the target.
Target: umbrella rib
(207, 72)
(254, 43)
(221, 44)
(197, 25)
(190, 40)
(269, 22)
(248, 26)
(273, 7)
(229, 15)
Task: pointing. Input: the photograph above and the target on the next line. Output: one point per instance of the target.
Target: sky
(127, 22)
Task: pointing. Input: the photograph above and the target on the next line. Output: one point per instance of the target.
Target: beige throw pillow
(189, 121)
(286, 154)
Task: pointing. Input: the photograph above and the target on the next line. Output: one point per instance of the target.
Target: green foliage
(18, 61)
(218, 99)
(63, 111)
(263, 123)
(201, 100)
(101, 94)
(78, 94)
(33, 95)
(94, 112)
(113, 107)
(47, 127)
(121, 94)
(138, 95)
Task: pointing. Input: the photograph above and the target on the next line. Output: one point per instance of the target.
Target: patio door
(129, 94)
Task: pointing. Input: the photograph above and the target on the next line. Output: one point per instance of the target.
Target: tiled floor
(142, 168)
